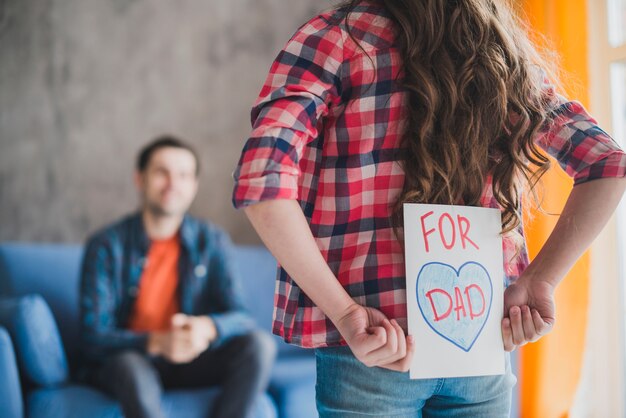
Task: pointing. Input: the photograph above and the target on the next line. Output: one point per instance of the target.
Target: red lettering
(469, 301)
(443, 238)
(424, 232)
(460, 306)
(463, 232)
(432, 303)
(450, 240)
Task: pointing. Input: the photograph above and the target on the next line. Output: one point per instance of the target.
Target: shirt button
(200, 270)
(133, 291)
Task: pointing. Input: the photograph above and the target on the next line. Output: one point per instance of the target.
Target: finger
(516, 325)
(176, 352)
(183, 357)
(507, 335)
(181, 344)
(530, 333)
(402, 342)
(387, 351)
(181, 336)
(401, 352)
(404, 364)
(541, 326)
(365, 342)
(392, 337)
(178, 320)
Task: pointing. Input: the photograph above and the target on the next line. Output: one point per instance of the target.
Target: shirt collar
(185, 231)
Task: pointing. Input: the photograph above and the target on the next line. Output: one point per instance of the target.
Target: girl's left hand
(529, 311)
(375, 340)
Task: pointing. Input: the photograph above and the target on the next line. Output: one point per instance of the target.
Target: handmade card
(455, 286)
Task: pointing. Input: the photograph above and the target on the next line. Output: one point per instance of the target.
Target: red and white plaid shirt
(326, 129)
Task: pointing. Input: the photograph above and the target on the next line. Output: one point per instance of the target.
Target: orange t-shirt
(157, 300)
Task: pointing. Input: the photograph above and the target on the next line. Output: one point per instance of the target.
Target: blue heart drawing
(455, 303)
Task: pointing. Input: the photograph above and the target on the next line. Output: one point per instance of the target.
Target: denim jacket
(111, 270)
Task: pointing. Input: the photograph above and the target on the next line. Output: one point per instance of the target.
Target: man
(160, 304)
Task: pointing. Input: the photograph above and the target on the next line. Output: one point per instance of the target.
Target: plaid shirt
(326, 137)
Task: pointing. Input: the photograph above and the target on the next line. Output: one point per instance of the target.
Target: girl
(382, 102)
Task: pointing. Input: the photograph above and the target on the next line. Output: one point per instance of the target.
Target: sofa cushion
(196, 403)
(71, 401)
(39, 348)
(78, 401)
(257, 269)
(10, 393)
(50, 270)
(293, 386)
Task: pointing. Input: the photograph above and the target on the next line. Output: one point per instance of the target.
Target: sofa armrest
(10, 390)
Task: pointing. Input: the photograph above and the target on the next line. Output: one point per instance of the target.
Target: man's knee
(131, 368)
(126, 360)
(131, 378)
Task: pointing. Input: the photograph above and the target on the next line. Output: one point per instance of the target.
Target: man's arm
(100, 332)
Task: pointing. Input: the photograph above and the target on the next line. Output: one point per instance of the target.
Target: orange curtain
(550, 369)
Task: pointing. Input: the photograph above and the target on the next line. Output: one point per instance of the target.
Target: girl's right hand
(374, 340)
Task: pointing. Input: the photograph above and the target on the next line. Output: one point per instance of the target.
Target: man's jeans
(347, 388)
(241, 367)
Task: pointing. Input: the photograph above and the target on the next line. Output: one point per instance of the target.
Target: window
(617, 21)
(618, 99)
(605, 353)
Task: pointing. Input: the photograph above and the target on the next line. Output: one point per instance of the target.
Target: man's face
(169, 183)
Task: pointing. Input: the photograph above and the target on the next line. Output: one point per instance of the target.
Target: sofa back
(53, 271)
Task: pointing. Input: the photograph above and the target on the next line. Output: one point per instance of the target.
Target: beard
(160, 211)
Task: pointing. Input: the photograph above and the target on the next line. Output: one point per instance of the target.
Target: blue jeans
(347, 388)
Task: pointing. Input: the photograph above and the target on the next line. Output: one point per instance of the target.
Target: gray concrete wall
(85, 83)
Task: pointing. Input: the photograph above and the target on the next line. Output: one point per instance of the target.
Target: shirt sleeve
(579, 145)
(304, 81)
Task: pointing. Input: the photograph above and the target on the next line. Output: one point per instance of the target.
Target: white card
(455, 288)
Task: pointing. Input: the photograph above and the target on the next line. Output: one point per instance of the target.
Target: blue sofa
(39, 286)
(10, 392)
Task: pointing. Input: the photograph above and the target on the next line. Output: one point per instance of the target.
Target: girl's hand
(375, 340)
(529, 312)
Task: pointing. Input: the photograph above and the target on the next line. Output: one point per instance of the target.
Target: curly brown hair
(475, 103)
